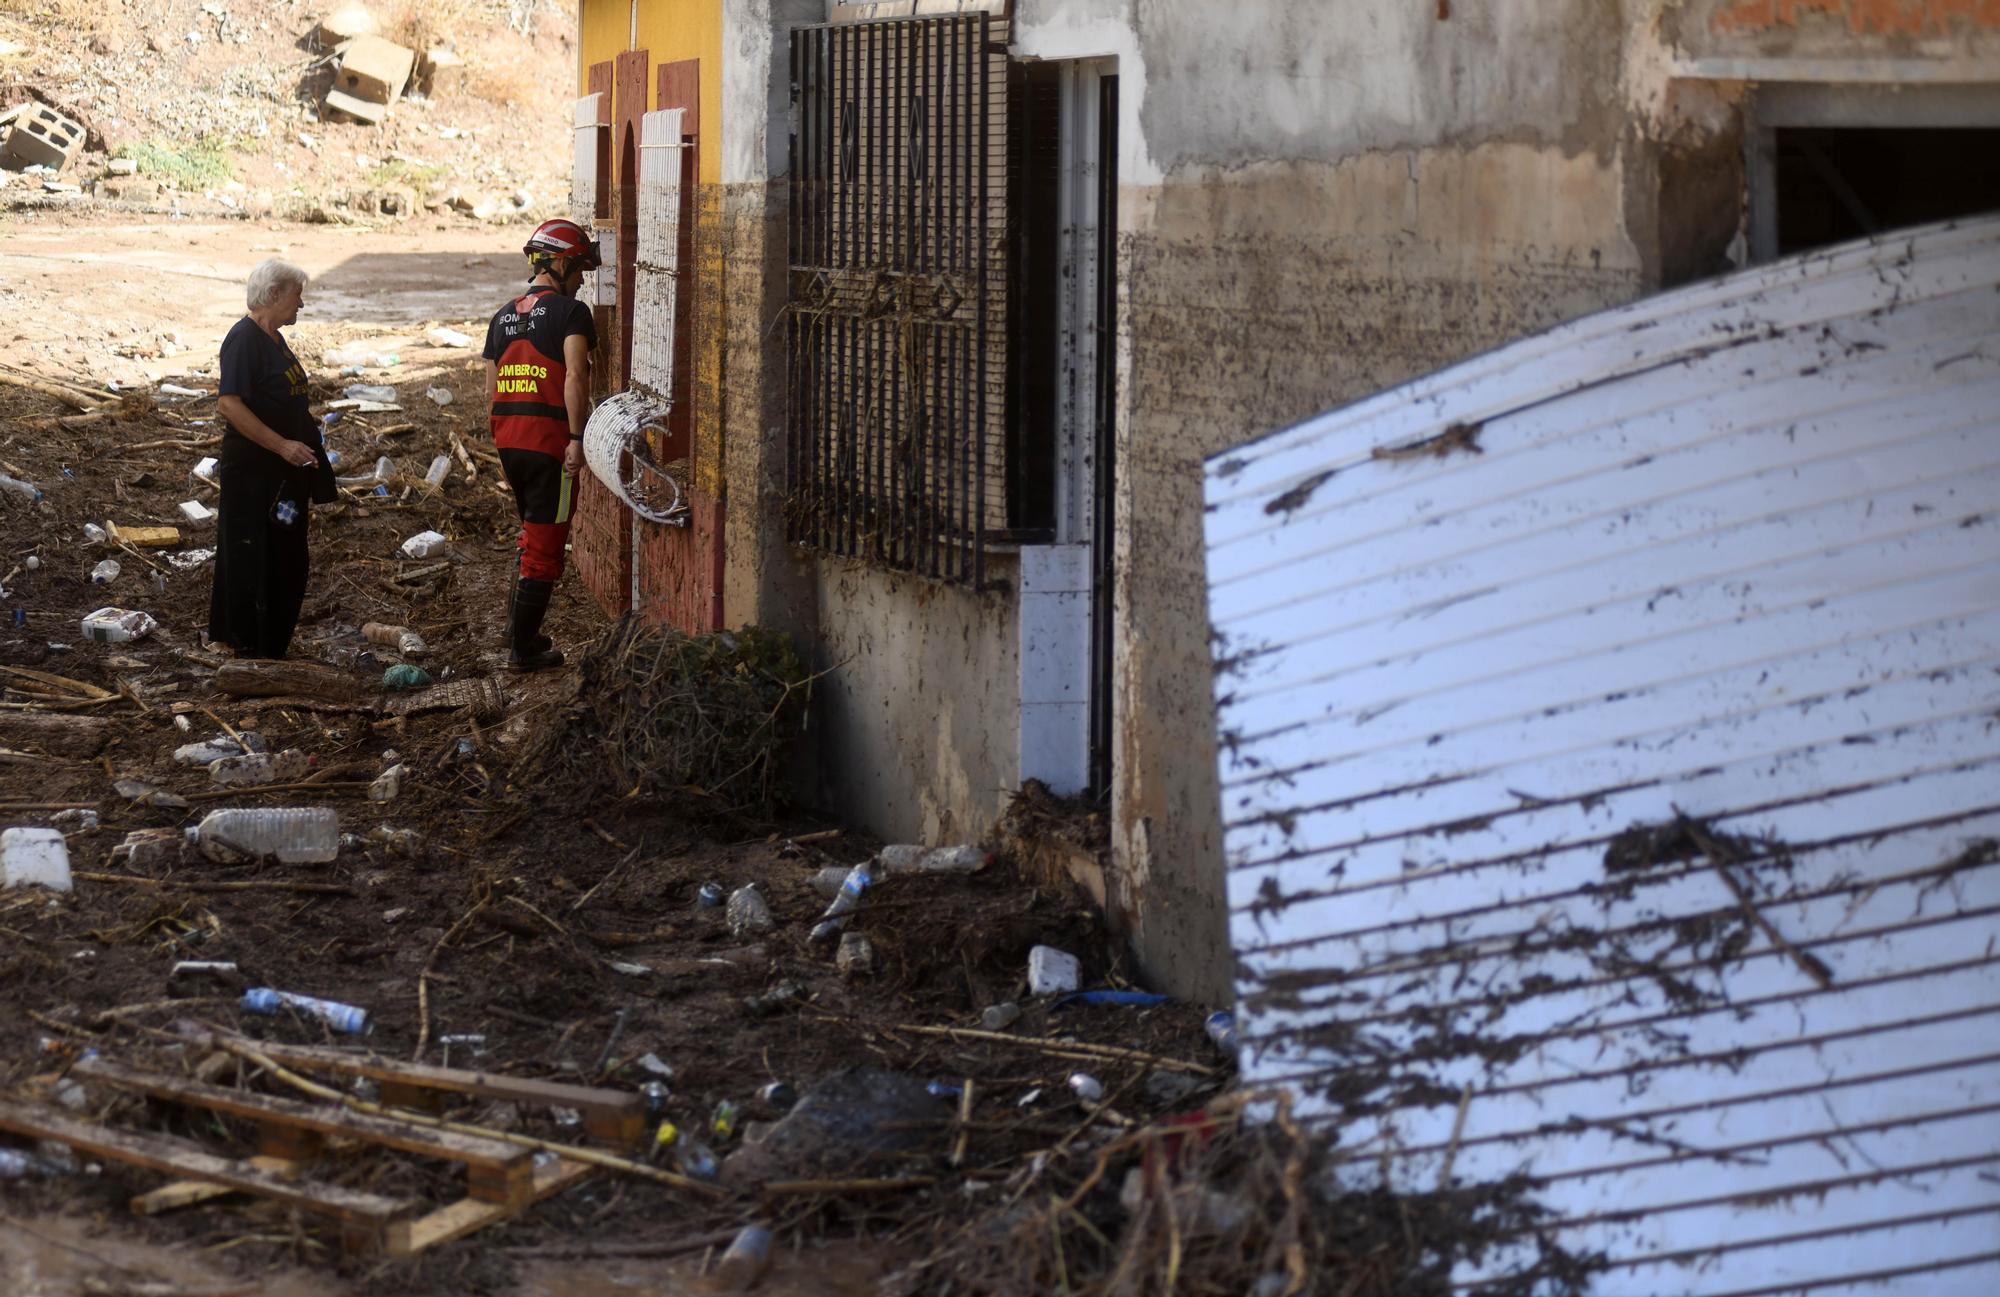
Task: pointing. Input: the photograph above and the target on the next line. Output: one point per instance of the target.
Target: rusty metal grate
(897, 323)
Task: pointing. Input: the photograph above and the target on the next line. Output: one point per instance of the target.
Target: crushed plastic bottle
(344, 1018)
(999, 1017)
(439, 395)
(697, 1160)
(908, 858)
(434, 476)
(305, 835)
(105, 572)
(748, 912)
(397, 843)
(656, 1095)
(401, 638)
(723, 1123)
(856, 956)
(835, 918)
(248, 769)
(16, 1165)
(388, 785)
(369, 392)
(215, 749)
(95, 534)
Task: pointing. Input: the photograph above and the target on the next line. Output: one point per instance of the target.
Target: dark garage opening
(1836, 184)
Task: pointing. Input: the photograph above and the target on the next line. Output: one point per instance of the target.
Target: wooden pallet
(502, 1178)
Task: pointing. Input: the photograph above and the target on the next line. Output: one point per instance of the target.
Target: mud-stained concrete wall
(919, 724)
(1904, 29)
(765, 581)
(1311, 210)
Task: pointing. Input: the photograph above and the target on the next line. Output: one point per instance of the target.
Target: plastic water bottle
(434, 476)
(26, 490)
(105, 572)
(748, 1256)
(344, 1018)
(835, 918)
(292, 835)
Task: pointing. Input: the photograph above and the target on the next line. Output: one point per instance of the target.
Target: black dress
(260, 552)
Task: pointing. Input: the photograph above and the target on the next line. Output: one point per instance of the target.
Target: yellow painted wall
(669, 31)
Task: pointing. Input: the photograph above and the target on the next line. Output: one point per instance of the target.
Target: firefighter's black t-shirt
(548, 322)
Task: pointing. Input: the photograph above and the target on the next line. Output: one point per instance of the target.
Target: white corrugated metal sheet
(1611, 774)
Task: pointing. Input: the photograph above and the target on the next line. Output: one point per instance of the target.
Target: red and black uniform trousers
(531, 430)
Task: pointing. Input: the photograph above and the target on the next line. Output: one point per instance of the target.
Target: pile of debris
(706, 719)
(371, 73)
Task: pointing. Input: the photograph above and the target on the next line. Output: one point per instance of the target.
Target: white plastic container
(305, 835)
(197, 513)
(434, 476)
(117, 625)
(1052, 971)
(34, 857)
(205, 472)
(427, 543)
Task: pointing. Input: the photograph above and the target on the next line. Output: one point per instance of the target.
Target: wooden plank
(614, 1116)
(504, 1170)
(189, 1193)
(145, 537)
(372, 1220)
(466, 1215)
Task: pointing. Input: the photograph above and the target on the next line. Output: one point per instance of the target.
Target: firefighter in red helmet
(538, 374)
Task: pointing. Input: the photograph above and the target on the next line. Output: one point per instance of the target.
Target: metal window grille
(897, 328)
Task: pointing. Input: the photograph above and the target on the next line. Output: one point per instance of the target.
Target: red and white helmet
(563, 238)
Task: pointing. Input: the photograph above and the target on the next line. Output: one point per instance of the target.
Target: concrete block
(374, 69)
(34, 857)
(438, 71)
(42, 135)
(345, 23)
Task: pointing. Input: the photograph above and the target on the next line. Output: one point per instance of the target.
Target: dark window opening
(1034, 228)
(1837, 184)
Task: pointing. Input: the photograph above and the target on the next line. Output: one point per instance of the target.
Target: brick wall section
(600, 541)
(680, 568)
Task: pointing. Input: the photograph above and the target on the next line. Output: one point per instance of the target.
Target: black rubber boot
(541, 643)
(528, 649)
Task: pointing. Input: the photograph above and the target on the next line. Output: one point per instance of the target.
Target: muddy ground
(567, 882)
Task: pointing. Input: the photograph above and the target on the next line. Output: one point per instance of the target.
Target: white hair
(270, 278)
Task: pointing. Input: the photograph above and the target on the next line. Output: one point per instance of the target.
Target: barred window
(899, 434)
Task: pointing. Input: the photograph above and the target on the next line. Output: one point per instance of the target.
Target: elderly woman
(273, 467)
